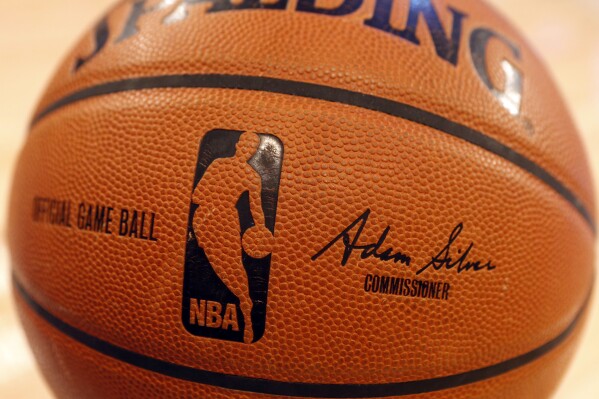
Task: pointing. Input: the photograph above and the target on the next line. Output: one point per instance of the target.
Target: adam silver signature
(448, 258)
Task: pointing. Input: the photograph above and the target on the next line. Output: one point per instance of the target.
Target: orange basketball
(424, 198)
(258, 242)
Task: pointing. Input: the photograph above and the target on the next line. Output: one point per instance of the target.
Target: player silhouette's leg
(218, 233)
(227, 263)
(198, 223)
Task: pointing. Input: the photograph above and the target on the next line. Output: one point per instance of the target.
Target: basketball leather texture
(331, 199)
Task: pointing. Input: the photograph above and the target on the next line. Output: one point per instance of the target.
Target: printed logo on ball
(230, 235)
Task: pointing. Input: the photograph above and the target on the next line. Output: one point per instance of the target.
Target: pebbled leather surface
(343, 52)
(138, 150)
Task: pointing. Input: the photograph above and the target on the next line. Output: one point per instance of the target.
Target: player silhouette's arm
(256, 200)
(206, 185)
(197, 194)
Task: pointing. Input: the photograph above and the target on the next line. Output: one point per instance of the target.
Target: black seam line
(331, 94)
(297, 389)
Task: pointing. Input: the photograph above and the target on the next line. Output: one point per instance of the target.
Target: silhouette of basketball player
(216, 222)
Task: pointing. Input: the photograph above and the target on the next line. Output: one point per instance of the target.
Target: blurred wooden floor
(34, 35)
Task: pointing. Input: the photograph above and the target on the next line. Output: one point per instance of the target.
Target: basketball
(258, 242)
(302, 199)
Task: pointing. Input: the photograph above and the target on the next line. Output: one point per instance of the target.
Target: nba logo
(230, 235)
